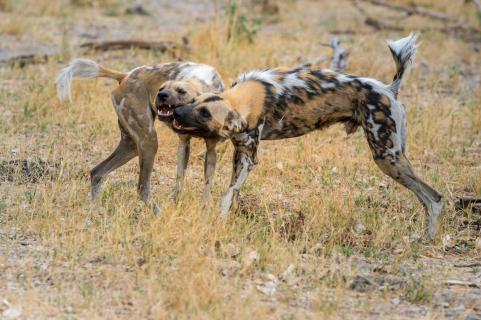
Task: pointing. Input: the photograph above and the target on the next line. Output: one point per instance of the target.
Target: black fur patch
(213, 98)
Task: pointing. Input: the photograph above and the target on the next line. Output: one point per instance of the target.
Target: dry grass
(305, 204)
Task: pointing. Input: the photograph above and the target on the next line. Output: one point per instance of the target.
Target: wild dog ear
(234, 123)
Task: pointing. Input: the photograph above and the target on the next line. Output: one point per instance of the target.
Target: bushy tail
(82, 69)
(403, 51)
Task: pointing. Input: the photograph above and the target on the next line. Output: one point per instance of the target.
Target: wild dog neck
(247, 99)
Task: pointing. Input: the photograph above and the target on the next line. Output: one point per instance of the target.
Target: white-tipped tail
(78, 69)
(403, 52)
(82, 69)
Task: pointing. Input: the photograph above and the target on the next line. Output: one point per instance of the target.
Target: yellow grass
(115, 259)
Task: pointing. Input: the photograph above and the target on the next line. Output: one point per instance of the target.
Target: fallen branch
(339, 57)
(466, 202)
(468, 265)
(373, 22)
(458, 30)
(413, 10)
(462, 283)
(25, 59)
(162, 46)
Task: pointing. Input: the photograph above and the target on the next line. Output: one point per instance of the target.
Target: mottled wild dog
(143, 94)
(282, 103)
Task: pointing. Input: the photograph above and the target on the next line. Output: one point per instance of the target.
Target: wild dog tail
(82, 69)
(403, 51)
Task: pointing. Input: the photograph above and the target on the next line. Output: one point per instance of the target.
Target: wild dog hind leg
(385, 129)
(125, 151)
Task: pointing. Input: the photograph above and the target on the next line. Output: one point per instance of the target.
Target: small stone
(280, 166)
(395, 301)
(360, 228)
(334, 170)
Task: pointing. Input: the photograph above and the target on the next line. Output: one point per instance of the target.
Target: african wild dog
(282, 103)
(143, 94)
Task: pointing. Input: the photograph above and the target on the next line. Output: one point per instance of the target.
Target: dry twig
(462, 283)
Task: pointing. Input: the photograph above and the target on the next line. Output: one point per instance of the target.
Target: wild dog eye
(180, 91)
(204, 112)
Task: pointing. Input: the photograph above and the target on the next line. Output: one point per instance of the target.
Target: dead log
(467, 202)
(161, 46)
(23, 60)
(469, 284)
(457, 29)
(339, 56)
(414, 10)
(373, 22)
(468, 265)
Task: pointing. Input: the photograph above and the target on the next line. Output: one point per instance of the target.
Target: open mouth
(165, 110)
(178, 126)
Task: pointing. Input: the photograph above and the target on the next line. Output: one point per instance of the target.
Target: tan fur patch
(251, 105)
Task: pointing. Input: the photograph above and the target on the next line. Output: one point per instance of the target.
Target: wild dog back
(297, 101)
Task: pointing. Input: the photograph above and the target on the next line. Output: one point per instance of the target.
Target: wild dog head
(173, 94)
(208, 115)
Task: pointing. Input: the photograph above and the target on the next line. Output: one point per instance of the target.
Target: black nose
(182, 111)
(178, 112)
(162, 95)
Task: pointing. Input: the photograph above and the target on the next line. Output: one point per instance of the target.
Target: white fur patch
(404, 48)
(269, 76)
(201, 72)
(292, 81)
(328, 85)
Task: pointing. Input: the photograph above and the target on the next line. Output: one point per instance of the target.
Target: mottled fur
(137, 105)
(283, 103)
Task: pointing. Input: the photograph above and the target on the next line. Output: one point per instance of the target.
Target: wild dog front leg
(244, 160)
(243, 163)
(147, 151)
(209, 168)
(183, 154)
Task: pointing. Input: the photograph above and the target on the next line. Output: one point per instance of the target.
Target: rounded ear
(234, 123)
